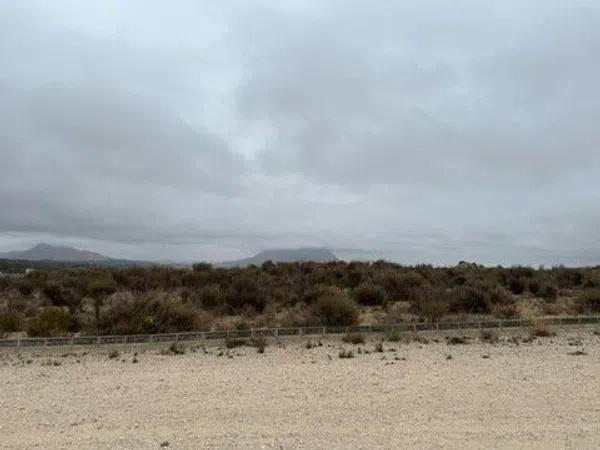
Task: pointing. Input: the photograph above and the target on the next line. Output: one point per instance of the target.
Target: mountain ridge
(283, 255)
(59, 253)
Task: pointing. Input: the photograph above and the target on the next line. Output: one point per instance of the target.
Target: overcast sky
(416, 131)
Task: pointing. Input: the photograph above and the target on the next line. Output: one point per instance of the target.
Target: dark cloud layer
(419, 132)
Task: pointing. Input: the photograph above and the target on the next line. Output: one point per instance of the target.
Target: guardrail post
(18, 342)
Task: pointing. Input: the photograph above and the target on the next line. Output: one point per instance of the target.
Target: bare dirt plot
(543, 394)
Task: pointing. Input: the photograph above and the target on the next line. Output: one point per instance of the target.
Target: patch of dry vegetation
(159, 300)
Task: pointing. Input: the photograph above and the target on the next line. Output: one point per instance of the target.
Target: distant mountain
(313, 254)
(46, 252)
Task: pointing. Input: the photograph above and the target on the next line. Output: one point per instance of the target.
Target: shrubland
(67, 300)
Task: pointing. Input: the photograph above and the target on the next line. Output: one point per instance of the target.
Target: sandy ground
(531, 395)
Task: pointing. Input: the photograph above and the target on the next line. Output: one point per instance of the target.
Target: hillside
(45, 256)
(46, 252)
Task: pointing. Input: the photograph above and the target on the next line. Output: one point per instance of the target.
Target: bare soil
(541, 394)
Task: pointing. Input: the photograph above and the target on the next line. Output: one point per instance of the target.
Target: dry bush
(344, 354)
(548, 292)
(370, 294)
(245, 293)
(210, 297)
(9, 322)
(299, 315)
(260, 343)
(457, 340)
(534, 286)
(589, 301)
(50, 322)
(489, 336)
(401, 286)
(473, 299)
(516, 286)
(432, 306)
(540, 329)
(154, 312)
(234, 342)
(398, 312)
(336, 310)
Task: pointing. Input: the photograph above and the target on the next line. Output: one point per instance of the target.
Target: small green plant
(394, 335)
(354, 338)
(113, 355)
(378, 347)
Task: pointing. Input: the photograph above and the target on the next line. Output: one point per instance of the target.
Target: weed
(354, 338)
(457, 340)
(489, 336)
(394, 335)
(345, 354)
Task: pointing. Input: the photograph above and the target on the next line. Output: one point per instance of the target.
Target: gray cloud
(425, 132)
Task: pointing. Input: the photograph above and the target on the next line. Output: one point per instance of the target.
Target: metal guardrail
(295, 331)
